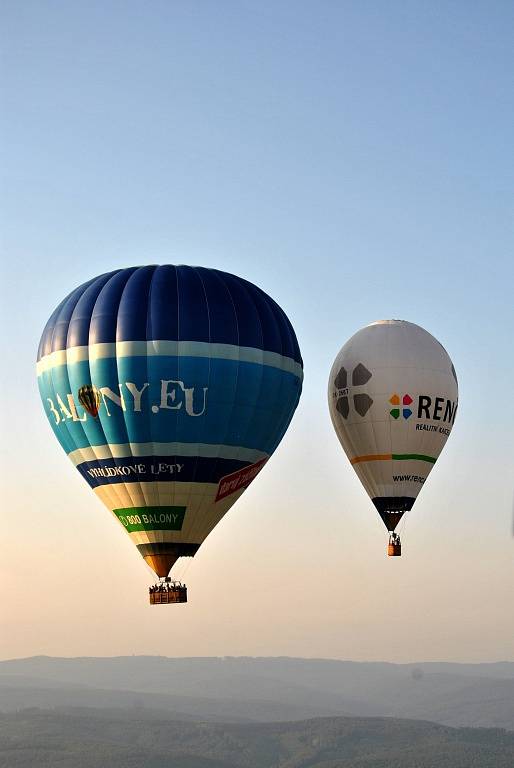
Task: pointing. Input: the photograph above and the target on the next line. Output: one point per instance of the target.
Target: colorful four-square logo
(405, 401)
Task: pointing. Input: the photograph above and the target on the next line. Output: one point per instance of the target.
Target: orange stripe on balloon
(372, 457)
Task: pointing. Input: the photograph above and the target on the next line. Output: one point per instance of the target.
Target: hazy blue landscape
(93, 738)
(253, 713)
(266, 689)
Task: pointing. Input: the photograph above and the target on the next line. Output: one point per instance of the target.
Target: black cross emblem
(361, 402)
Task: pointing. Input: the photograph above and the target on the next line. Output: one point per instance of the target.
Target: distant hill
(266, 689)
(96, 739)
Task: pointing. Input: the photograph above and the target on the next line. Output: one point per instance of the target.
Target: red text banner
(237, 480)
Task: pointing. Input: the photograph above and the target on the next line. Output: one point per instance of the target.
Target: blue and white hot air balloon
(169, 387)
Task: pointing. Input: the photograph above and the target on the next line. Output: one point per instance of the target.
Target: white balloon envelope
(393, 398)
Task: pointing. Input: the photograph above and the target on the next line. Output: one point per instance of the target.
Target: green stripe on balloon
(151, 518)
(414, 456)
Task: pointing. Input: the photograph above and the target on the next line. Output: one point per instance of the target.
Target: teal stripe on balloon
(200, 401)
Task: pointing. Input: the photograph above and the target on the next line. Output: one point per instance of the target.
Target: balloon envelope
(188, 379)
(393, 399)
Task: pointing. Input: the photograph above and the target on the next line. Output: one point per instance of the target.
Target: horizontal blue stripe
(245, 404)
(175, 303)
(181, 469)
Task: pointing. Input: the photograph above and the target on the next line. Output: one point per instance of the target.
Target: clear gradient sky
(355, 161)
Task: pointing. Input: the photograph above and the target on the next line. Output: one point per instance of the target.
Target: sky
(352, 159)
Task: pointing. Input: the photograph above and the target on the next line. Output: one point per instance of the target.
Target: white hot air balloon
(393, 397)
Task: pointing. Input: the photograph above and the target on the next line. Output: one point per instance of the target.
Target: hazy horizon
(242, 657)
(262, 689)
(351, 160)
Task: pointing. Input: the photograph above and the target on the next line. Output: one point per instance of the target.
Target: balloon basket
(168, 592)
(394, 548)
